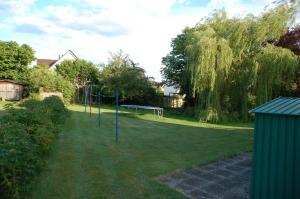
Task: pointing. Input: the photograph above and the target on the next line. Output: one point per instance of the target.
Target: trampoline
(156, 110)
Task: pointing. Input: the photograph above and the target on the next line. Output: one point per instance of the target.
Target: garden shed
(11, 90)
(276, 155)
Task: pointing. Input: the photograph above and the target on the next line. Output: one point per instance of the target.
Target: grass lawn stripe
(87, 163)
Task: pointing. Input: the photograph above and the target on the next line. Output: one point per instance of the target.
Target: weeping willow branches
(232, 64)
(275, 69)
(208, 63)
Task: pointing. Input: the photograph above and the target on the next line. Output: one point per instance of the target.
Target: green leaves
(276, 69)
(124, 75)
(228, 65)
(79, 72)
(26, 134)
(49, 81)
(14, 60)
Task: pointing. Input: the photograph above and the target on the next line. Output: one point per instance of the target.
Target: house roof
(280, 106)
(71, 53)
(13, 82)
(48, 62)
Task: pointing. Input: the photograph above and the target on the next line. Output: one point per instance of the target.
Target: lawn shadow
(173, 118)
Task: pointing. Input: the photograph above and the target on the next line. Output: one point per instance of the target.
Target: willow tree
(276, 68)
(231, 64)
(208, 64)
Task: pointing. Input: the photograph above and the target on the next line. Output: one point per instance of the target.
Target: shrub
(42, 78)
(19, 160)
(26, 134)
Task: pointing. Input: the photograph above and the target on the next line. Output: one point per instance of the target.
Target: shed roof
(14, 82)
(280, 106)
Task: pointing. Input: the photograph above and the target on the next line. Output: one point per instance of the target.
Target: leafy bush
(42, 78)
(26, 134)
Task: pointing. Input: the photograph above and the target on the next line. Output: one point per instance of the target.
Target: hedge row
(26, 135)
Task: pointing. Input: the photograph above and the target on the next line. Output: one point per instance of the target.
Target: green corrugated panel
(297, 159)
(280, 106)
(276, 161)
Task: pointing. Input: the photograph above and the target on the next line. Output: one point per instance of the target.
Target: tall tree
(228, 65)
(175, 61)
(14, 60)
(208, 64)
(124, 75)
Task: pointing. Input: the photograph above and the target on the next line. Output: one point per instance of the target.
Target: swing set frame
(88, 99)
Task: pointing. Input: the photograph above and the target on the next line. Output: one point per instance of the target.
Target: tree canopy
(291, 40)
(79, 72)
(228, 65)
(123, 74)
(14, 60)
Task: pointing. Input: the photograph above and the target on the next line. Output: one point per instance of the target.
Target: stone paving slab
(225, 179)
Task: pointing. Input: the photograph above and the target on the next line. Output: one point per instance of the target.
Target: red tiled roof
(47, 62)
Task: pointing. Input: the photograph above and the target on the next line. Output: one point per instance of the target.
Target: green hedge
(26, 135)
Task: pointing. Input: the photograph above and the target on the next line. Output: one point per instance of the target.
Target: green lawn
(87, 163)
(2, 104)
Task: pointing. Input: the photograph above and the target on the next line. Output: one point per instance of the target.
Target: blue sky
(93, 28)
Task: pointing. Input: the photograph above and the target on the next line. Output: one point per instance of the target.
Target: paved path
(226, 179)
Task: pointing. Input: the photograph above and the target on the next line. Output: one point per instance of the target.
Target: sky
(93, 28)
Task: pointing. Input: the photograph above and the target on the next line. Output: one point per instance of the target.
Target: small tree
(79, 72)
(123, 74)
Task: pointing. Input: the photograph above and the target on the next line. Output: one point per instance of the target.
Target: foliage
(275, 66)
(14, 60)
(175, 61)
(80, 72)
(124, 75)
(290, 40)
(228, 65)
(26, 134)
(209, 60)
(41, 78)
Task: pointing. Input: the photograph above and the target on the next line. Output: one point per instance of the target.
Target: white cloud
(15, 6)
(141, 28)
(218, 3)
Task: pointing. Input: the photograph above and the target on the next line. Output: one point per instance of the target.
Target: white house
(52, 63)
(170, 90)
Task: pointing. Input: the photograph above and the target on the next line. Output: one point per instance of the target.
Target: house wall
(170, 89)
(11, 91)
(33, 63)
(67, 56)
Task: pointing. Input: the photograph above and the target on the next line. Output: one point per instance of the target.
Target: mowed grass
(86, 162)
(2, 107)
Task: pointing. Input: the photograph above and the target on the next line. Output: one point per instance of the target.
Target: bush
(42, 78)
(26, 134)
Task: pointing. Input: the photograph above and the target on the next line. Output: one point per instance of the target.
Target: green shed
(276, 155)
